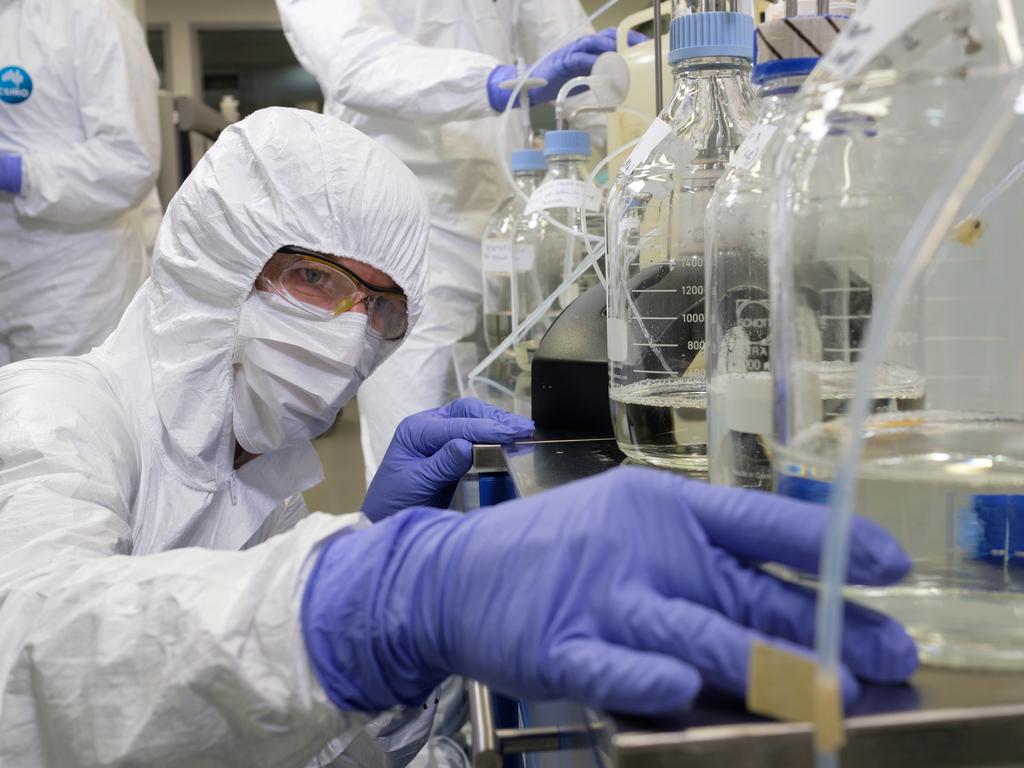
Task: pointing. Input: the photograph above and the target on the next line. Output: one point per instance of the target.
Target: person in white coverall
(134, 633)
(423, 78)
(79, 151)
(191, 427)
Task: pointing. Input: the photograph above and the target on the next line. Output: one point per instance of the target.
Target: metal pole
(486, 748)
(792, 8)
(711, 6)
(823, 7)
(657, 56)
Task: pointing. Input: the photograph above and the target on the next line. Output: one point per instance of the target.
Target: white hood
(279, 177)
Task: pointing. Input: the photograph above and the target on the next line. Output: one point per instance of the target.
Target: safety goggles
(325, 289)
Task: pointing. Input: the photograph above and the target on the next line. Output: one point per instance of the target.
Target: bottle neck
(706, 75)
(527, 181)
(567, 167)
(709, 68)
(775, 96)
(713, 99)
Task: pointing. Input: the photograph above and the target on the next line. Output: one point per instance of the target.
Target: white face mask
(293, 374)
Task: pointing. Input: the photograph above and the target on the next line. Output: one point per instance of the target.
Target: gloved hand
(559, 67)
(431, 451)
(626, 591)
(10, 173)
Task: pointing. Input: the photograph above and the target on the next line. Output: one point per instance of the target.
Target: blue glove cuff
(496, 95)
(363, 620)
(10, 173)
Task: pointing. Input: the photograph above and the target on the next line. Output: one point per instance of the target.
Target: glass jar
(528, 168)
(874, 132)
(561, 223)
(655, 221)
(736, 260)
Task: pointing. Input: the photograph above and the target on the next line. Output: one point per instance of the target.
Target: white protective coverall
(126, 637)
(412, 74)
(72, 248)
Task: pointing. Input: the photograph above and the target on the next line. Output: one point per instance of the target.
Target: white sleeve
(113, 169)
(364, 63)
(186, 658)
(543, 25)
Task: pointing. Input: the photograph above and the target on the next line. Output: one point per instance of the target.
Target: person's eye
(312, 276)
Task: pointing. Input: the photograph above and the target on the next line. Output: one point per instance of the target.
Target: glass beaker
(943, 460)
(736, 260)
(545, 253)
(656, 209)
(528, 168)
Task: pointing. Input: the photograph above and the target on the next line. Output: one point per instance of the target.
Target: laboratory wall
(181, 20)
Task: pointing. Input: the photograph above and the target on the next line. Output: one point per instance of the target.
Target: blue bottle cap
(717, 33)
(524, 160)
(566, 143)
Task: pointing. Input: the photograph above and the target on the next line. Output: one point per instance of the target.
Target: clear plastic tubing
(514, 98)
(922, 242)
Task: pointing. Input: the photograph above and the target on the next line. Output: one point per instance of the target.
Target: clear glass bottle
(546, 254)
(876, 130)
(528, 168)
(736, 260)
(656, 209)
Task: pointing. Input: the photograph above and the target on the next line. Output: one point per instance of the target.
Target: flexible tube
(592, 255)
(927, 234)
(505, 116)
(587, 240)
(563, 94)
(534, 317)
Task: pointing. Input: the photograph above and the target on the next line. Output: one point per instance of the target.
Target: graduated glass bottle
(739, 330)
(497, 253)
(655, 221)
(546, 254)
(895, 120)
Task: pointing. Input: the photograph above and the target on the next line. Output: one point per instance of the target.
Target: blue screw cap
(716, 33)
(566, 143)
(525, 160)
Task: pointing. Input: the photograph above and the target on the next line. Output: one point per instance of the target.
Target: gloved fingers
(436, 432)
(632, 37)
(595, 44)
(874, 646)
(767, 527)
(713, 644)
(450, 463)
(470, 407)
(626, 680)
(577, 64)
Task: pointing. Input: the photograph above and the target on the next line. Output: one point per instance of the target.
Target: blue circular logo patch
(15, 85)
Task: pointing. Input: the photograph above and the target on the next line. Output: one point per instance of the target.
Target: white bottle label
(747, 402)
(564, 193)
(654, 135)
(618, 342)
(753, 147)
(873, 29)
(497, 255)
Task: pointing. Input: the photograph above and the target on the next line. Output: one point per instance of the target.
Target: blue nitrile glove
(559, 67)
(626, 591)
(431, 451)
(10, 173)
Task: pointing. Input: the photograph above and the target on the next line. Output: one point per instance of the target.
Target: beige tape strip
(969, 231)
(786, 686)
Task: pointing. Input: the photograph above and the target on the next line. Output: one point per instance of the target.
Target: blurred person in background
(423, 77)
(79, 152)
